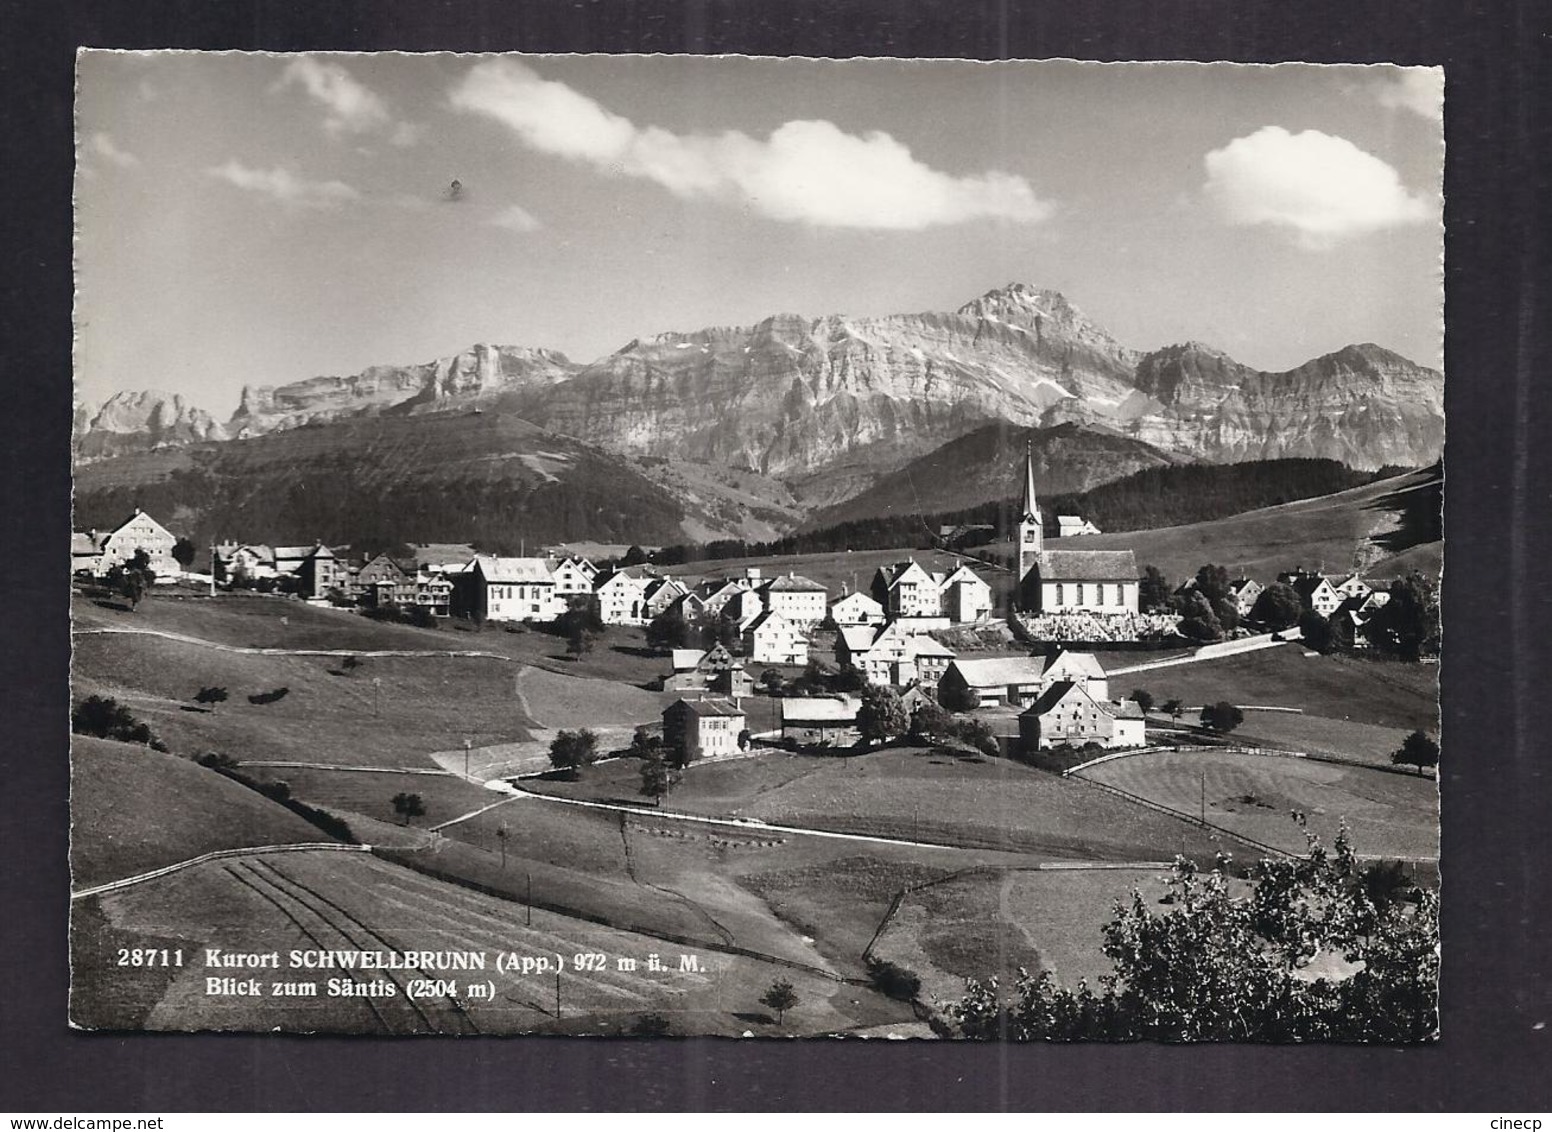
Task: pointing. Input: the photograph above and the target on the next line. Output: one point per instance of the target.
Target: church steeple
(1031, 526)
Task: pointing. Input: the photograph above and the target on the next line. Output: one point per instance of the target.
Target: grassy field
(307, 901)
(1063, 913)
(1389, 815)
(1319, 735)
(1383, 693)
(133, 809)
(916, 794)
(392, 711)
(1354, 528)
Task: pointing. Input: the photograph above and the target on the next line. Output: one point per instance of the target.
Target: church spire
(1031, 507)
(1030, 534)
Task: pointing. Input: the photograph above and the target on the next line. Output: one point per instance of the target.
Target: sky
(262, 219)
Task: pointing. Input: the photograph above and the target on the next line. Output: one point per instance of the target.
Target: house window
(1079, 588)
(1059, 595)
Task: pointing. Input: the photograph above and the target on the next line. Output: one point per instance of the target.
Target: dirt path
(247, 650)
(218, 855)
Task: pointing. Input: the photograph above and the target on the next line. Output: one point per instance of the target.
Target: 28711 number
(150, 957)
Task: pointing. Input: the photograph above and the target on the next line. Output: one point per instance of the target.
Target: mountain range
(752, 429)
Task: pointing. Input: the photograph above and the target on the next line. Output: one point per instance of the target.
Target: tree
(1222, 717)
(670, 630)
(1173, 708)
(183, 552)
(1220, 966)
(1277, 607)
(570, 750)
(580, 624)
(780, 998)
(1212, 582)
(408, 806)
(882, 716)
(773, 681)
(502, 834)
(351, 663)
(1417, 749)
(1315, 630)
(929, 721)
(1153, 591)
(1142, 698)
(1407, 625)
(1198, 622)
(1227, 612)
(634, 556)
(958, 697)
(132, 579)
(657, 779)
(106, 718)
(210, 696)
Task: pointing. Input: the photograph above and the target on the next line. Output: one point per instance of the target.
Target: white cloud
(1323, 189)
(350, 106)
(103, 146)
(1418, 89)
(515, 218)
(282, 185)
(807, 171)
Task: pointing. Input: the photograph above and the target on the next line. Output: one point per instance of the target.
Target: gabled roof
(521, 570)
(1086, 565)
(1306, 584)
(712, 706)
(857, 638)
(1074, 664)
(820, 709)
(1240, 585)
(623, 577)
(857, 597)
(1000, 671)
(658, 585)
(684, 660)
(295, 551)
(892, 572)
(84, 543)
(794, 583)
(770, 618)
(920, 644)
(962, 573)
(1054, 695)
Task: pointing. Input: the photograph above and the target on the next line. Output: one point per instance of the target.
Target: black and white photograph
(758, 548)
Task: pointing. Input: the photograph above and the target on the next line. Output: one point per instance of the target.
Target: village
(1022, 661)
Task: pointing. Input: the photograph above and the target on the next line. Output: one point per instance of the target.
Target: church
(1102, 582)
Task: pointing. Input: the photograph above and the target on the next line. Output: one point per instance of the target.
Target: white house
(892, 655)
(621, 598)
(704, 729)
(964, 597)
(813, 720)
(904, 589)
(1244, 592)
(1070, 526)
(772, 639)
(571, 577)
(1014, 680)
(800, 600)
(1352, 586)
(1081, 668)
(856, 609)
(1067, 715)
(118, 546)
(1315, 592)
(509, 589)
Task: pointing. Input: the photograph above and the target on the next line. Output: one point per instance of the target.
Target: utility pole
(212, 569)
(529, 902)
(1204, 797)
(557, 992)
(466, 758)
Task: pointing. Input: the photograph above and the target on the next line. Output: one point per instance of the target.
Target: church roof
(1086, 565)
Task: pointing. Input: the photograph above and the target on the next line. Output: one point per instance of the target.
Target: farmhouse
(573, 576)
(1351, 586)
(621, 598)
(856, 609)
(118, 546)
(892, 655)
(1243, 594)
(704, 729)
(1071, 526)
(772, 639)
(715, 594)
(811, 721)
(714, 670)
(1066, 715)
(435, 593)
(1069, 581)
(1016, 680)
(1314, 591)
(660, 594)
(1081, 668)
(507, 589)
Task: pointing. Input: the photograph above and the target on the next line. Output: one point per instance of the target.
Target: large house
(1244, 592)
(573, 576)
(1314, 591)
(709, 670)
(800, 600)
(704, 729)
(772, 639)
(1081, 668)
(100, 551)
(904, 589)
(661, 594)
(507, 589)
(810, 721)
(892, 655)
(715, 594)
(1016, 680)
(1071, 526)
(1066, 714)
(313, 569)
(1069, 581)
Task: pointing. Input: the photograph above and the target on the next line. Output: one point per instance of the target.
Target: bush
(422, 618)
(210, 696)
(1222, 717)
(893, 980)
(269, 697)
